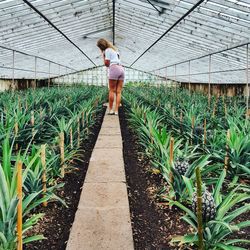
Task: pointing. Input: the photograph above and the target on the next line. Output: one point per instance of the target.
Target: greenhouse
(124, 124)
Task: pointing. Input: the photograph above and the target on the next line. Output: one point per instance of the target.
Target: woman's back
(113, 56)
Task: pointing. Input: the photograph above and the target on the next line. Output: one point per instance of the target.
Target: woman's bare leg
(112, 91)
(118, 94)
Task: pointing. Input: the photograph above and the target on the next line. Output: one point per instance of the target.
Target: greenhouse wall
(218, 89)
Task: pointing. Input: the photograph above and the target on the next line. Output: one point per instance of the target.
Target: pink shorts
(116, 72)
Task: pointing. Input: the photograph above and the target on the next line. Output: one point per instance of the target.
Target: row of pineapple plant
(164, 117)
(28, 120)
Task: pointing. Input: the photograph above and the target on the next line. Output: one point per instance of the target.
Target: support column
(35, 70)
(247, 82)
(13, 69)
(49, 75)
(209, 80)
(189, 76)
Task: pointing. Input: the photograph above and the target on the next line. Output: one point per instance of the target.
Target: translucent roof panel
(152, 35)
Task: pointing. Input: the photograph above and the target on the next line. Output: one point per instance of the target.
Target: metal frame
(148, 33)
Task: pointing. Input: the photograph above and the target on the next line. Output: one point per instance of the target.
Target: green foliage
(55, 110)
(156, 115)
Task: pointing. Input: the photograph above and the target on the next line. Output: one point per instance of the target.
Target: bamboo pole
(151, 134)
(181, 120)
(61, 142)
(44, 179)
(225, 109)
(173, 111)
(171, 159)
(192, 132)
(205, 132)
(226, 160)
(71, 137)
(19, 207)
(19, 103)
(32, 122)
(78, 133)
(16, 133)
(6, 115)
(214, 109)
(199, 208)
(41, 113)
(83, 121)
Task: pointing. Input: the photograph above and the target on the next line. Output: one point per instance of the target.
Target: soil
(153, 223)
(57, 221)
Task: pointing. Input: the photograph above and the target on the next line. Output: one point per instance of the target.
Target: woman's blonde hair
(103, 44)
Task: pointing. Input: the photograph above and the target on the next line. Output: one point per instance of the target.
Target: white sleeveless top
(113, 56)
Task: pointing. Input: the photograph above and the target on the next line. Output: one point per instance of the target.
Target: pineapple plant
(219, 212)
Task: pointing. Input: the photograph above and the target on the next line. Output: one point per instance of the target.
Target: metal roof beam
(113, 27)
(206, 55)
(168, 30)
(48, 21)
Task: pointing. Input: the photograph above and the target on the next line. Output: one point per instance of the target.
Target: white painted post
(166, 75)
(49, 75)
(35, 70)
(60, 78)
(92, 75)
(247, 82)
(209, 80)
(175, 74)
(68, 72)
(13, 69)
(189, 76)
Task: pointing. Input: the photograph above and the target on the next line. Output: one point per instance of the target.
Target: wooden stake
(225, 109)
(171, 159)
(41, 113)
(192, 132)
(226, 160)
(32, 119)
(171, 154)
(19, 206)
(44, 179)
(181, 119)
(61, 137)
(215, 104)
(78, 133)
(71, 137)
(32, 122)
(19, 103)
(205, 131)
(16, 133)
(83, 122)
(199, 208)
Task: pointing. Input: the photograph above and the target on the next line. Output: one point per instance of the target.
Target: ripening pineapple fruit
(181, 166)
(198, 131)
(208, 206)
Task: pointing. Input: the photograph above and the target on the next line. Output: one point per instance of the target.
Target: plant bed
(57, 221)
(175, 156)
(153, 223)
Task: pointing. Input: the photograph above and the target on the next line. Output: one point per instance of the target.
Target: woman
(116, 73)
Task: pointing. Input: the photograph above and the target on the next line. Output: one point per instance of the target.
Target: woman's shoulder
(111, 50)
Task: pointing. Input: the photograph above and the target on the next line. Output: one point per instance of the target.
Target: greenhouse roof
(159, 36)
